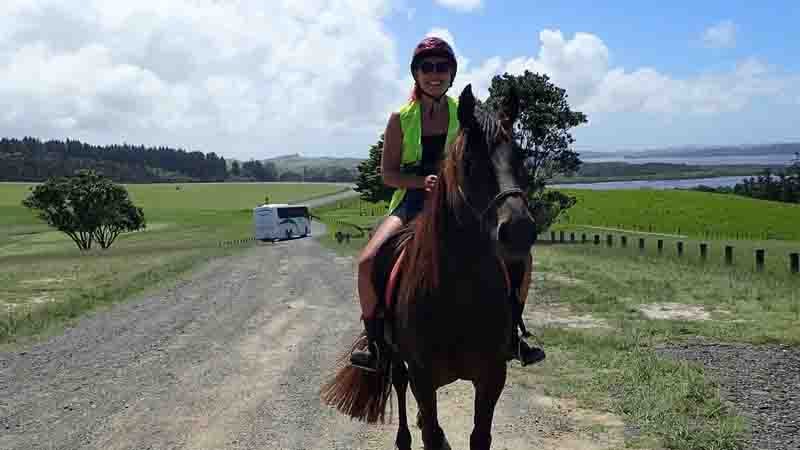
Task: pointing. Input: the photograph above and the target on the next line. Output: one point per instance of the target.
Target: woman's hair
(415, 93)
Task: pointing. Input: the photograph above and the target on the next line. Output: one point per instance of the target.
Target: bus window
(293, 211)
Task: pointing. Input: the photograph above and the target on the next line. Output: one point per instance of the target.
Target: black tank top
(432, 153)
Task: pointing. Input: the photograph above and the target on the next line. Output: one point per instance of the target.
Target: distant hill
(788, 149)
(296, 163)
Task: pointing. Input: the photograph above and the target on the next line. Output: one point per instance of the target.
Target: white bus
(281, 221)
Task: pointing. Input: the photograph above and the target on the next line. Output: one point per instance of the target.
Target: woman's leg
(525, 353)
(367, 295)
(526, 281)
(370, 358)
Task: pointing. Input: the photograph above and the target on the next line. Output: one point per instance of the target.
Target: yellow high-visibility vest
(411, 124)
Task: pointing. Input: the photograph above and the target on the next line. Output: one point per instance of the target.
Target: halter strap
(497, 198)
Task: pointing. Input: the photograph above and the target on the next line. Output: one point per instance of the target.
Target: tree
(543, 124)
(235, 169)
(369, 181)
(270, 172)
(542, 129)
(86, 207)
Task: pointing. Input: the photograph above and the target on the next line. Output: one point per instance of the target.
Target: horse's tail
(358, 393)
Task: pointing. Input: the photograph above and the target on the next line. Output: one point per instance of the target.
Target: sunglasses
(440, 67)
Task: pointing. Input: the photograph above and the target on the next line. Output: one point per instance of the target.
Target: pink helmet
(434, 46)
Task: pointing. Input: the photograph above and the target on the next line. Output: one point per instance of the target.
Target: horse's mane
(443, 208)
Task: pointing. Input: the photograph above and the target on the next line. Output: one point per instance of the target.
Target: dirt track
(233, 358)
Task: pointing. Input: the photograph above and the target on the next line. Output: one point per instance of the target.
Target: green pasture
(696, 214)
(613, 366)
(45, 280)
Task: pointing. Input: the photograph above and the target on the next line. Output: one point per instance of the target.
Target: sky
(257, 79)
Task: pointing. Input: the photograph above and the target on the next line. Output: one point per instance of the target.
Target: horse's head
(492, 177)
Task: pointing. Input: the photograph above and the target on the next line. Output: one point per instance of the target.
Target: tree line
(31, 159)
(781, 186)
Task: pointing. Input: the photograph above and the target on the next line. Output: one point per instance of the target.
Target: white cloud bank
(582, 65)
(317, 77)
(238, 78)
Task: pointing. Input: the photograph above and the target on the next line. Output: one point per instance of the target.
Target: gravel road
(232, 357)
(761, 382)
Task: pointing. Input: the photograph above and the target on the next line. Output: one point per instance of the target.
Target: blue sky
(254, 79)
(663, 35)
(672, 38)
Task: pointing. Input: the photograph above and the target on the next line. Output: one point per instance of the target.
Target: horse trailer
(281, 221)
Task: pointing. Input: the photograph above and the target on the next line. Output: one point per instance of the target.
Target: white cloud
(582, 66)
(461, 5)
(232, 77)
(720, 35)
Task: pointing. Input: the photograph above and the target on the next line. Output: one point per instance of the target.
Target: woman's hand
(430, 182)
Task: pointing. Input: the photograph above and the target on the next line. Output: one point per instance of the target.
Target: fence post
(760, 259)
(641, 244)
(572, 237)
(610, 240)
(794, 262)
(703, 251)
(680, 248)
(624, 241)
(596, 239)
(561, 236)
(729, 255)
(552, 236)
(583, 238)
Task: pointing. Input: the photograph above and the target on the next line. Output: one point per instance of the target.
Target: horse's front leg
(433, 437)
(487, 391)
(400, 381)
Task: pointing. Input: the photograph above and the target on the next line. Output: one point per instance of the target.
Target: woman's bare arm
(392, 158)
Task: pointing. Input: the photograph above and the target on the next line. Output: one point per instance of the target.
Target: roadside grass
(668, 404)
(45, 281)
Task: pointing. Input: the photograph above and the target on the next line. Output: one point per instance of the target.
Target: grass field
(45, 280)
(696, 214)
(613, 367)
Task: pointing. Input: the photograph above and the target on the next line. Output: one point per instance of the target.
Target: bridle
(480, 215)
(512, 191)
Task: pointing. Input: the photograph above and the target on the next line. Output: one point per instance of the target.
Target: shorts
(411, 205)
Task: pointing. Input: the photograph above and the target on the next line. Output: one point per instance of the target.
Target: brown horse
(452, 319)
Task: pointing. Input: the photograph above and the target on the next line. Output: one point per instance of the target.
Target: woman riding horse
(416, 138)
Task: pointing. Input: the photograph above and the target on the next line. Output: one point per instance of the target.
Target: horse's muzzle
(516, 235)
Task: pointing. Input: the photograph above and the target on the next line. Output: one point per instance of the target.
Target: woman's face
(433, 75)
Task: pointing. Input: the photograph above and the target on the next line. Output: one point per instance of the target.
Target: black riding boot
(371, 358)
(520, 349)
(523, 352)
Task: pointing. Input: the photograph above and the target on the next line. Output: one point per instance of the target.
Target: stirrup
(374, 350)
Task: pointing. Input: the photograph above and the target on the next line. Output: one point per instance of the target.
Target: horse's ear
(510, 106)
(466, 107)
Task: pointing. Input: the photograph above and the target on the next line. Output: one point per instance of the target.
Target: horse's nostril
(516, 233)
